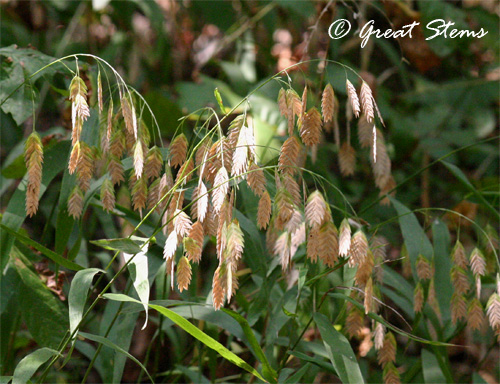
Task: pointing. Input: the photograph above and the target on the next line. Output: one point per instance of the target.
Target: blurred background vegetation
(438, 98)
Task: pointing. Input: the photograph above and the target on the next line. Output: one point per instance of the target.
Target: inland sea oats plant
(261, 259)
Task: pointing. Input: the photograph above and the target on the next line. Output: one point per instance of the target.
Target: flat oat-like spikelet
(294, 108)
(354, 322)
(109, 122)
(460, 280)
(359, 249)
(108, 195)
(75, 203)
(282, 104)
(170, 246)
(304, 103)
(365, 132)
(221, 187)
(196, 235)
(418, 298)
(33, 158)
(344, 238)
(328, 103)
(166, 184)
(182, 223)
(432, 299)
(477, 262)
(291, 185)
(387, 354)
(117, 144)
(202, 203)
(214, 161)
(183, 274)
(382, 167)
(185, 172)
(368, 302)
(310, 131)
(201, 156)
(424, 268)
(264, 211)
(100, 102)
(347, 159)
(178, 150)
(154, 163)
(282, 250)
(367, 102)
(115, 169)
(365, 270)
(284, 208)
(458, 307)
(315, 210)
(298, 237)
(79, 108)
(295, 222)
(240, 154)
(459, 257)
(493, 311)
(138, 159)
(313, 244)
(235, 130)
(85, 167)
(378, 336)
(153, 193)
(218, 286)
(74, 158)
(256, 179)
(288, 155)
(353, 98)
(475, 315)
(139, 193)
(391, 374)
(328, 244)
(478, 268)
(129, 116)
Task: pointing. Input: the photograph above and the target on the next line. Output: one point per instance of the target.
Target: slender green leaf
(45, 251)
(30, 364)
(110, 344)
(297, 376)
(315, 360)
(78, 295)
(442, 267)
(268, 372)
(415, 238)
(432, 371)
(123, 245)
(339, 350)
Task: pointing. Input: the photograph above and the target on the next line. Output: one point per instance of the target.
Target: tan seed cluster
(33, 158)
